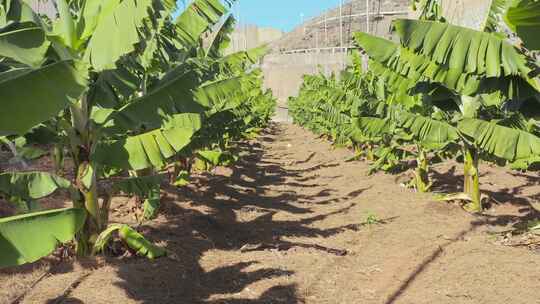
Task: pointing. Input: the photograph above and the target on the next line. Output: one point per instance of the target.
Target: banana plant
(328, 105)
(488, 76)
(25, 238)
(441, 87)
(126, 108)
(138, 122)
(117, 117)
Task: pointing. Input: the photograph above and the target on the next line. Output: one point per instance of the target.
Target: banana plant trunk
(422, 182)
(82, 145)
(471, 173)
(87, 185)
(369, 154)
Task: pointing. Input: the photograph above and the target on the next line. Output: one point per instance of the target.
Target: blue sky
(281, 14)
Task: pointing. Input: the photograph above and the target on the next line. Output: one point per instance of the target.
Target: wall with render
(468, 13)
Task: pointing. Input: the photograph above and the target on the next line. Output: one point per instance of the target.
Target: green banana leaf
(30, 152)
(173, 95)
(432, 134)
(198, 18)
(415, 67)
(31, 185)
(113, 28)
(429, 9)
(147, 187)
(23, 150)
(150, 149)
(16, 11)
(133, 240)
(64, 26)
(182, 179)
(29, 237)
(332, 114)
(24, 42)
(462, 49)
(138, 243)
(151, 204)
(177, 94)
(221, 38)
(216, 157)
(507, 143)
(220, 90)
(523, 17)
(140, 185)
(525, 163)
(374, 127)
(23, 108)
(497, 10)
(397, 86)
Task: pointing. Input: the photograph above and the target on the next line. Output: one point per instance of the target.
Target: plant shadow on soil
(448, 180)
(518, 209)
(207, 215)
(190, 232)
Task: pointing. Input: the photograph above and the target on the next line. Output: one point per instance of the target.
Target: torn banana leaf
(29, 237)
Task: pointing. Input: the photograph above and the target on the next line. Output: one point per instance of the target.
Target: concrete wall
(250, 36)
(283, 74)
(467, 13)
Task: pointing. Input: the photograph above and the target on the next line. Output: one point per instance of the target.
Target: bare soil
(293, 222)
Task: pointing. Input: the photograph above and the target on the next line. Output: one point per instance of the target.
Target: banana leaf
(150, 149)
(431, 133)
(112, 29)
(23, 108)
(507, 143)
(463, 49)
(523, 17)
(24, 42)
(31, 185)
(29, 237)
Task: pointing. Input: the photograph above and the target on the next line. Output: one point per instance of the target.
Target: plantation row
(442, 92)
(125, 96)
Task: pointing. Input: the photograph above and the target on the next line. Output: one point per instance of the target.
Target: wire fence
(352, 16)
(330, 31)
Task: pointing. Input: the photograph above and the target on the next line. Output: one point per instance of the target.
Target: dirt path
(294, 223)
